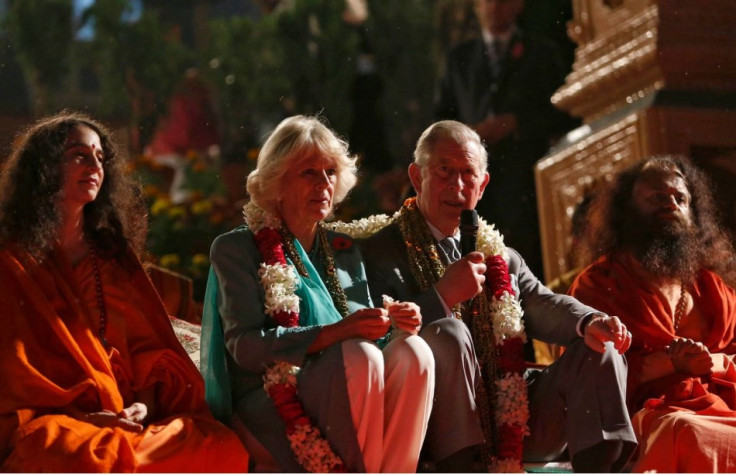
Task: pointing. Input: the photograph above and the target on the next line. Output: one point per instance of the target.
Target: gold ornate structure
(649, 77)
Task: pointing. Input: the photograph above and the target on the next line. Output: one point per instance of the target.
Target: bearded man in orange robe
(667, 270)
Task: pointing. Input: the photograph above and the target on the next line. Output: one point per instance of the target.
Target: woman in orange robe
(94, 378)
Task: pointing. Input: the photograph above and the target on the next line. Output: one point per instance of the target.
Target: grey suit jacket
(253, 341)
(548, 316)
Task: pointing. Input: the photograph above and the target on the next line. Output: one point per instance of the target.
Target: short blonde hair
(293, 139)
(456, 131)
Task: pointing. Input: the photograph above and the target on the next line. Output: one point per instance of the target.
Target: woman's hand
(136, 413)
(129, 419)
(690, 357)
(366, 323)
(405, 316)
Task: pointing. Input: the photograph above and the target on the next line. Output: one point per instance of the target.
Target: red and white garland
(511, 404)
(279, 280)
(511, 407)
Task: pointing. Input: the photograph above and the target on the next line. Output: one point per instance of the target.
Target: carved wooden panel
(563, 177)
(614, 68)
(628, 49)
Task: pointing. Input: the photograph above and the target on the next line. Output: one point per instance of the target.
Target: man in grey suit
(577, 403)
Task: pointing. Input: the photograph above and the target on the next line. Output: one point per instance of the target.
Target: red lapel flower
(341, 243)
(517, 50)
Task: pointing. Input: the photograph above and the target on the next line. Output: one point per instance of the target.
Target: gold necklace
(427, 268)
(424, 258)
(680, 308)
(328, 261)
(332, 283)
(288, 239)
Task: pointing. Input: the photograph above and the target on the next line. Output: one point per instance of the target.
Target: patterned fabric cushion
(189, 336)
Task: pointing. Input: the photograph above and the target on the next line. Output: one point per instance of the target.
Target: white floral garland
(512, 401)
(257, 218)
(312, 450)
(279, 283)
(362, 228)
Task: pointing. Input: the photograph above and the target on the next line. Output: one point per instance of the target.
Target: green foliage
(294, 60)
(135, 61)
(44, 49)
(403, 35)
(302, 59)
(245, 65)
(41, 33)
(180, 234)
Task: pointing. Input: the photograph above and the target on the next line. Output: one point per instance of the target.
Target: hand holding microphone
(464, 278)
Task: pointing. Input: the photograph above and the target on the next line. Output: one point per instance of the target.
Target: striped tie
(449, 246)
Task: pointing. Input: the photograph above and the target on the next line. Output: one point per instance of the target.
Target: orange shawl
(53, 364)
(611, 286)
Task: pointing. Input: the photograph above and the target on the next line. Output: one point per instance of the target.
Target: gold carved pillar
(649, 77)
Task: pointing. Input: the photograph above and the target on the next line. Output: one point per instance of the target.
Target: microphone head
(468, 219)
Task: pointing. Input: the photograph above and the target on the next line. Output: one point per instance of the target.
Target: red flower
(509, 442)
(497, 276)
(517, 50)
(288, 405)
(511, 356)
(284, 396)
(341, 243)
(287, 319)
(270, 246)
(281, 393)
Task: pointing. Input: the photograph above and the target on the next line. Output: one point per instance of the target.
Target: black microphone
(468, 231)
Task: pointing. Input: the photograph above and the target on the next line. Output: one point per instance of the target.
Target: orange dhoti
(683, 423)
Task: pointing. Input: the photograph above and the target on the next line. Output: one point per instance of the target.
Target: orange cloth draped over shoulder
(54, 368)
(685, 423)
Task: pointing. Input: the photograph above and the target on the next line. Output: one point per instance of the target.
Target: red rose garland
(498, 280)
(510, 366)
(501, 316)
(497, 329)
(271, 248)
(311, 449)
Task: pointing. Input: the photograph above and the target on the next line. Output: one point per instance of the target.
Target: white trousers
(391, 392)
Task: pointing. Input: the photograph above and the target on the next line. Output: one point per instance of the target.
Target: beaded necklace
(680, 308)
(328, 261)
(102, 330)
(275, 242)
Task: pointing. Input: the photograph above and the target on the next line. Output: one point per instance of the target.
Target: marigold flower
(204, 206)
(160, 205)
(170, 260)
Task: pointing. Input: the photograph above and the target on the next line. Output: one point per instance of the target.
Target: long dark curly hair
(608, 216)
(31, 192)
